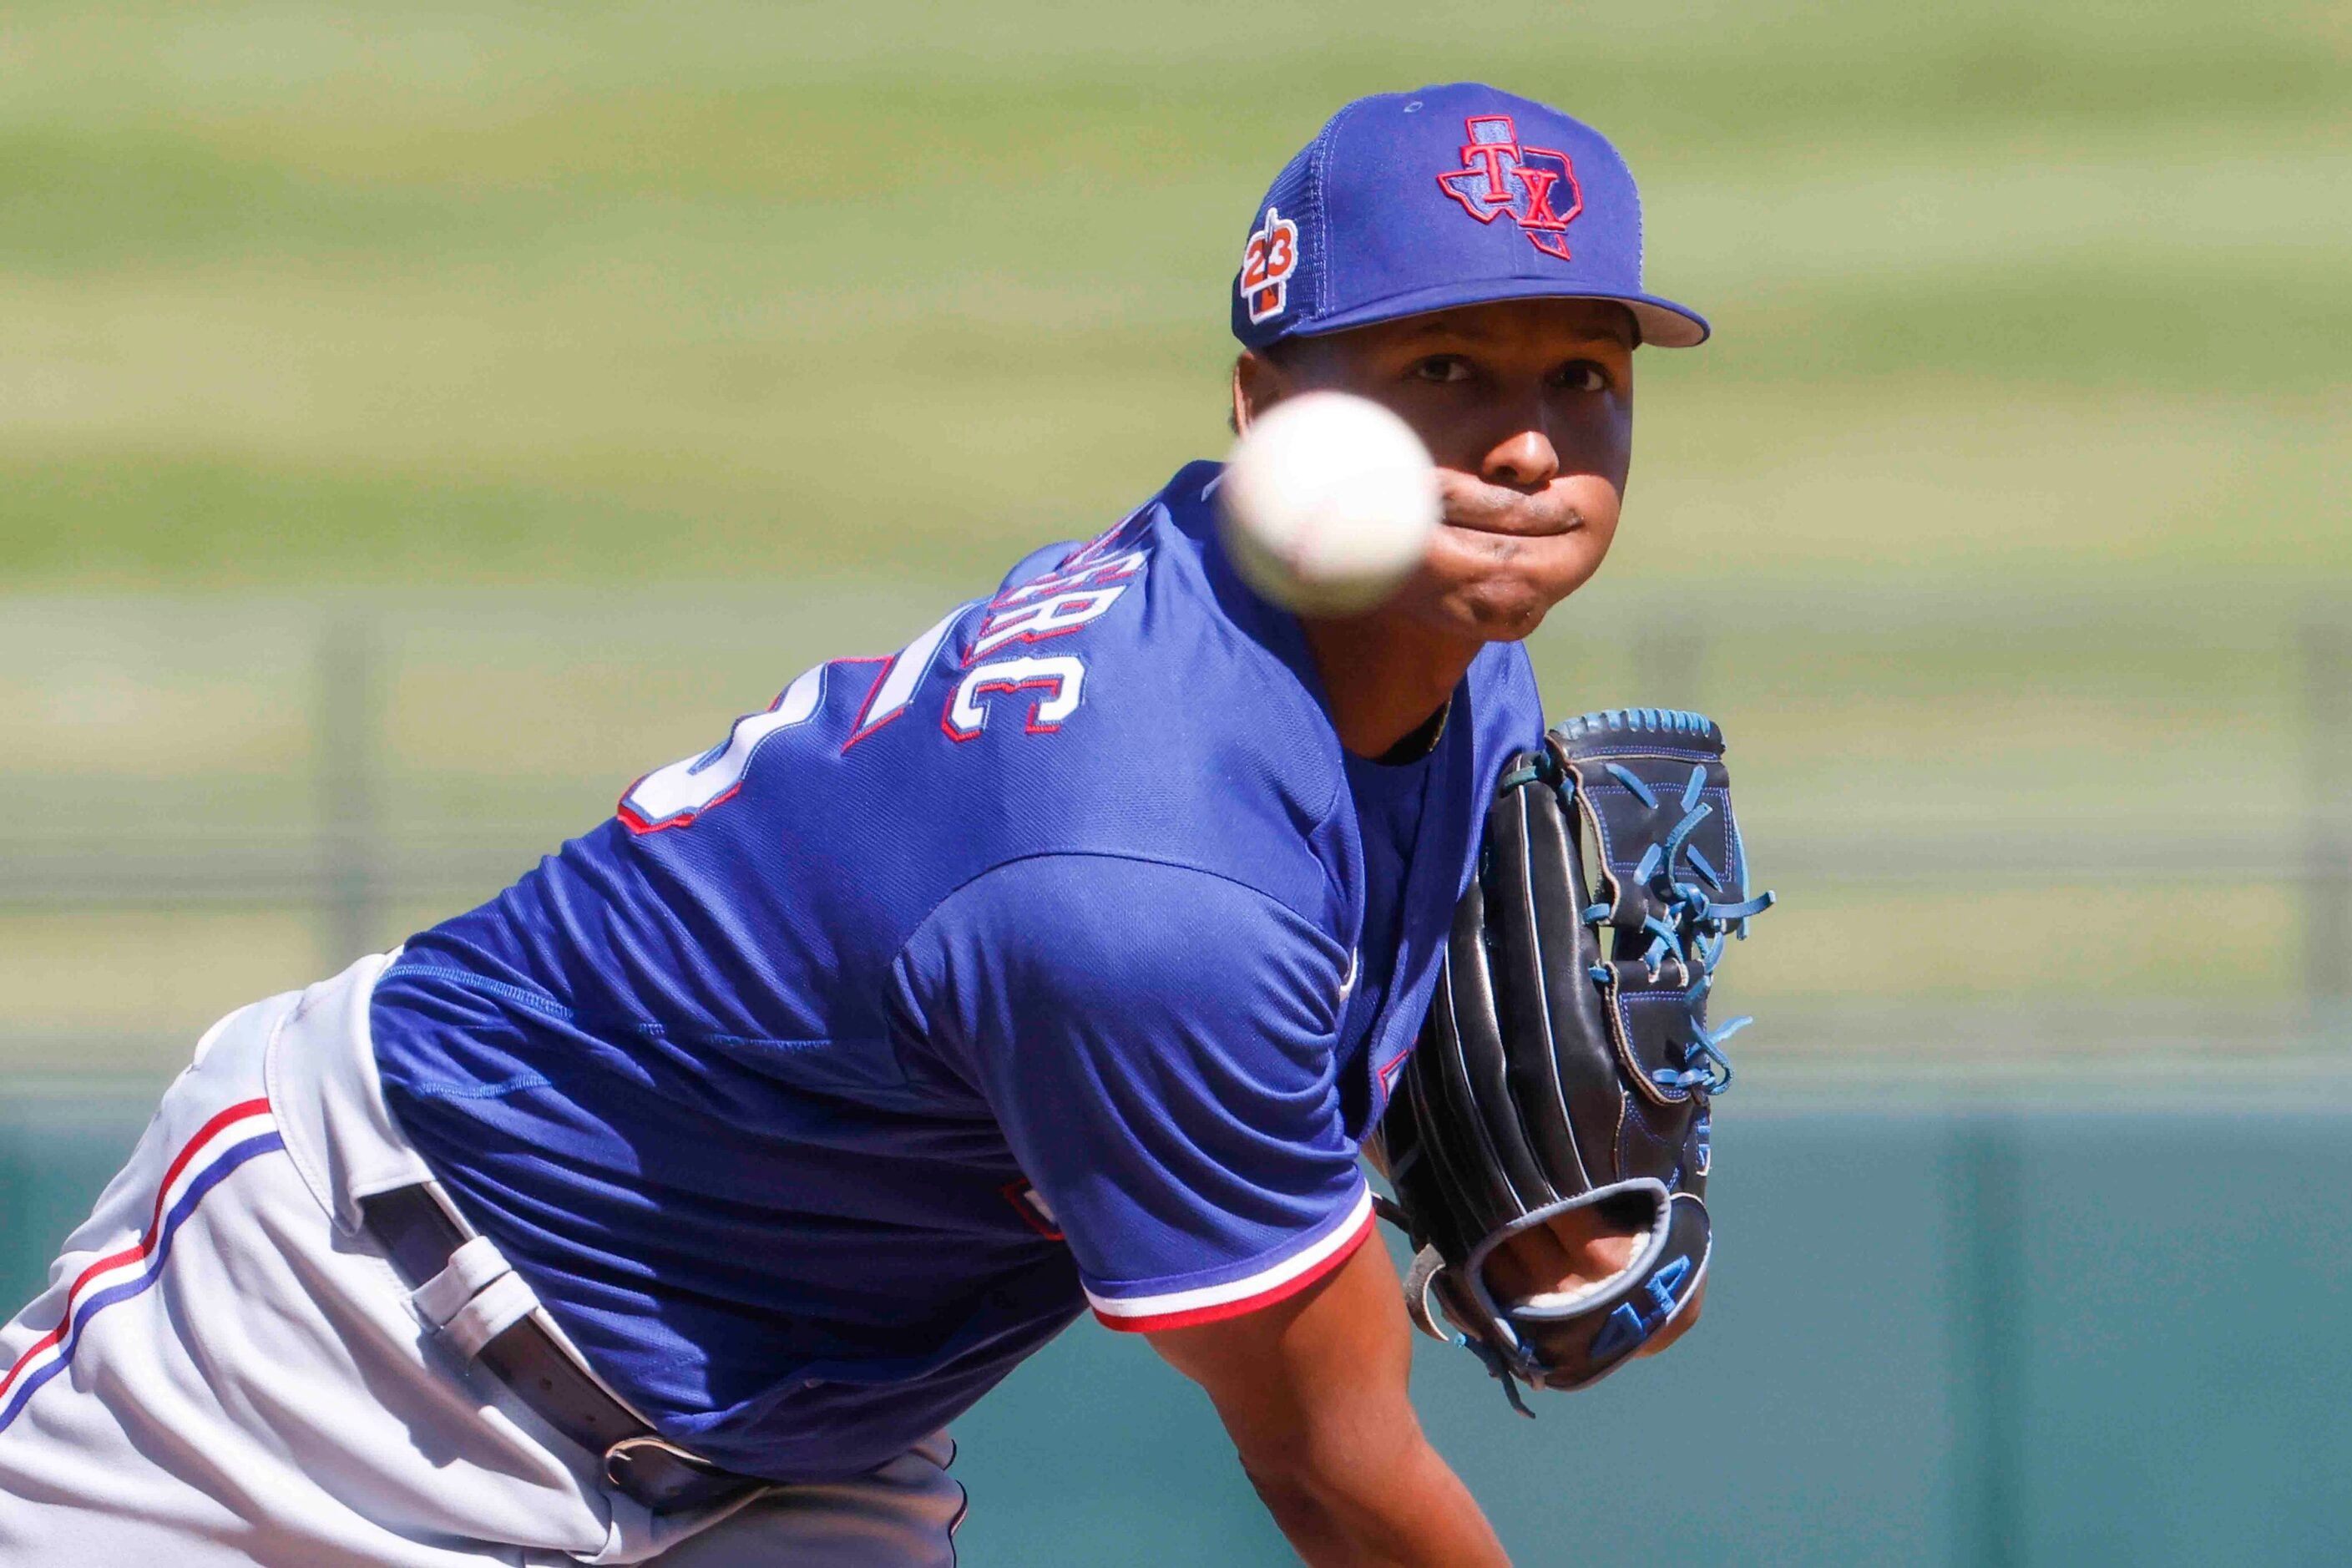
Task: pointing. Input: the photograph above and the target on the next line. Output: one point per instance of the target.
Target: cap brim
(1664, 323)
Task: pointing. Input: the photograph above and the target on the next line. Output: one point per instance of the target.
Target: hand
(1573, 1252)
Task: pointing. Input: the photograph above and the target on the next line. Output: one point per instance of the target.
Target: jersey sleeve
(1158, 1045)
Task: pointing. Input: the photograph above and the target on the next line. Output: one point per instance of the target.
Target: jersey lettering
(1061, 679)
(895, 686)
(1084, 574)
(1133, 525)
(1077, 594)
(1055, 615)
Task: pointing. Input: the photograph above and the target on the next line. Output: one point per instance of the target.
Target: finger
(1685, 1318)
(1531, 1263)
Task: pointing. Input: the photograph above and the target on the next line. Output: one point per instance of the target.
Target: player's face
(1527, 406)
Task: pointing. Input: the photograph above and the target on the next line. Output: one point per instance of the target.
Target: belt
(425, 1242)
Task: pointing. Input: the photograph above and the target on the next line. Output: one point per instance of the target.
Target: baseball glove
(1567, 1063)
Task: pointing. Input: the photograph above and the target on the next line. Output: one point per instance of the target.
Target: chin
(1489, 611)
(1492, 595)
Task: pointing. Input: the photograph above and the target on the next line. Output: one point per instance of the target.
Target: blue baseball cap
(1407, 203)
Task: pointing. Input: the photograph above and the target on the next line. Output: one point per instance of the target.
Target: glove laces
(1692, 927)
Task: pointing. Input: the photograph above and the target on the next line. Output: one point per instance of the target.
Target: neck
(1384, 675)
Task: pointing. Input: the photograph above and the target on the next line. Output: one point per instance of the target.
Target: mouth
(1502, 511)
(1507, 527)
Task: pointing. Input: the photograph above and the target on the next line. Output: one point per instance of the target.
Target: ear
(1258, 384)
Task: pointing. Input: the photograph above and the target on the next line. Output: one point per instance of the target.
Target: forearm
(1313, 1392)
(1402, 1507)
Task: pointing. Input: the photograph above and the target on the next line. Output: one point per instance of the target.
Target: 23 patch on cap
(1267, 263)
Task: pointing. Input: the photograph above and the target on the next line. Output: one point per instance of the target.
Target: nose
(1525, 461)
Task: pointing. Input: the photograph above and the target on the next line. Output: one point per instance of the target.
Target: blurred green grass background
(617, 360)
(2009, 294)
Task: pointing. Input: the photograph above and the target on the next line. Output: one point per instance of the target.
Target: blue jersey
(1052, 960)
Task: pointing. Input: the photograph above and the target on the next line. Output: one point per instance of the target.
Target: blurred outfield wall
(417, 420)
(2050, 1329)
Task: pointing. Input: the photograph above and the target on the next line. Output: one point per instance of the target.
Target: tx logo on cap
(1532, 183)
(1266, 264)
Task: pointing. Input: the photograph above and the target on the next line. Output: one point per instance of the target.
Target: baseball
(1327, 504)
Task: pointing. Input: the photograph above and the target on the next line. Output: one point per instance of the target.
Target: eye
(1440, 368)
(1581, 375)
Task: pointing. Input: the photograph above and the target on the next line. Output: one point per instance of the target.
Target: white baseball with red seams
(1327, 503)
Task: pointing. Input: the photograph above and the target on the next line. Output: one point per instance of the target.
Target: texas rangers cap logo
(1266, 264)
(1534, 185)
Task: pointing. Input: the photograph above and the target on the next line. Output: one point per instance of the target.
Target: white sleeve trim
(1266, 1282)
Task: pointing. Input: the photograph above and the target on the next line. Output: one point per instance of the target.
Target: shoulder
(1124, 947)
(1125, 920)
(1127, 697)
(1150, 610)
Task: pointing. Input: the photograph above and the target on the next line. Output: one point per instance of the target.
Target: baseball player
(670, 1205)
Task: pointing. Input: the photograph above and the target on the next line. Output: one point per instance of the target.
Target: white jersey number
(676, 794)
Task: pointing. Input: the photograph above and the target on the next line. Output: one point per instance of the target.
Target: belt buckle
(659, 1474)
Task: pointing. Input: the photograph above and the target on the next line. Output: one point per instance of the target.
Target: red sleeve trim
(1251, 1294)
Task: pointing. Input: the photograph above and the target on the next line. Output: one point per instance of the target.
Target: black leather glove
(1567, 1063)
